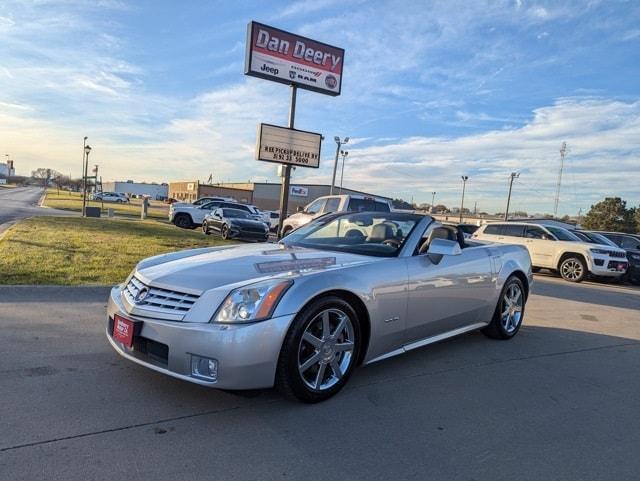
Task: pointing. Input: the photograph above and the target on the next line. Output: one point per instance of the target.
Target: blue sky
(431, 91)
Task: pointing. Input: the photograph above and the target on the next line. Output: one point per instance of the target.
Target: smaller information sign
(288, 146)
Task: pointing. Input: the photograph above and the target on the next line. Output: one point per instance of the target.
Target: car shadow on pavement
(626, 298)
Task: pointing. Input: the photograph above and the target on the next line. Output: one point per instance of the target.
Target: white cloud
(604, 154)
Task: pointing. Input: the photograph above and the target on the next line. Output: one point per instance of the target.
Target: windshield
(380, 234)
(563, 234)
(598, 239)
(236, 213)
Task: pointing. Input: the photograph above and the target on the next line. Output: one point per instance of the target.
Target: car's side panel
(450, 294)
(382, 287)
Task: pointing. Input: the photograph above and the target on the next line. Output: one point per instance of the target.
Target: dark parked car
(235, 224)
(630, 243)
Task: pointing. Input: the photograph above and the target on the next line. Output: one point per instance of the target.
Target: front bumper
(608, 267)
(247, 354)
(238, 233)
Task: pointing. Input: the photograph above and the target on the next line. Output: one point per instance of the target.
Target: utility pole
(84, 174)
(87, 149)
(464, 184)
(563, 153)
(433, 198)
(514, 175)
(339, 143)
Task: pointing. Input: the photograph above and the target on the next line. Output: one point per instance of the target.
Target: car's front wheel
(320, 350)
(507, 318)
(224, 232)
(573, 269)
(205, 228)
(183, 221)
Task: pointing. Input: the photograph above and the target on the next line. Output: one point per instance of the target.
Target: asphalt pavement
(22, 202)
(558, 402)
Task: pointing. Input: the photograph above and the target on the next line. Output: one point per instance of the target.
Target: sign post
(286, 171)
(300, 62)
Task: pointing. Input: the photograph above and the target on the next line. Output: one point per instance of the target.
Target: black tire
(496, 329)
(288, 378)
(573, 269)
(205, 229)
(224, 232)
(183, 221)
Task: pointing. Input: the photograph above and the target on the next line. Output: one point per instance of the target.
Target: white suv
(334, 203)
(556, 248)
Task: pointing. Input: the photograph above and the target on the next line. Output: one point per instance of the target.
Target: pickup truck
(334, 203)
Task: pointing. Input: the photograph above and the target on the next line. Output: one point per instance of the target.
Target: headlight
(635, 257)
(599, 251)
(255, 302)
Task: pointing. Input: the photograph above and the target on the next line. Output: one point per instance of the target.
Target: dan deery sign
(288, 58)
(288, 146)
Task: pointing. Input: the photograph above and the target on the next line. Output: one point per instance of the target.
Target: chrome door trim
(429, 340)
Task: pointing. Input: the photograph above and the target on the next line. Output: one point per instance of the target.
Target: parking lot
(560, 401)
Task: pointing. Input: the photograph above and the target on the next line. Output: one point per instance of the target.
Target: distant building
(264, 195)
(6, 169)
(153, 190)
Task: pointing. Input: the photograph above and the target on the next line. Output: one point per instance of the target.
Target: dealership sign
(288, 146)
(274, 54)
(299, 191)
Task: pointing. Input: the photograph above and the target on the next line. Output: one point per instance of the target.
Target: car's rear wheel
(224, 232)
(183, 221)
(573, 269)
(509, 312)
(320, 350)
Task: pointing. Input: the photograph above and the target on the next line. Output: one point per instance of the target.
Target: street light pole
(344, 155)
(87, 149)
(84, 174)
(464, 184)
(433, 199)
(514, 175)
(335, 165)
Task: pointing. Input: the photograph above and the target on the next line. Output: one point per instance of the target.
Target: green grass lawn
(75, 250)
(73, 201)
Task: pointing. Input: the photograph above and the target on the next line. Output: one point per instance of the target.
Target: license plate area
(124, 330)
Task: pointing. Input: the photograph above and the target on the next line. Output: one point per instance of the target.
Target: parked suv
(630, 243)
(334, 203)
(556, 248)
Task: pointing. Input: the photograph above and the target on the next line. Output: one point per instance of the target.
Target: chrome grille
(617, 254)
(158, 299)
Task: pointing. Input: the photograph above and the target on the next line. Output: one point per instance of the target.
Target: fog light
(204, 368)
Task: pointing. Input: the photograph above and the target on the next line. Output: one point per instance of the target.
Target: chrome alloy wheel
(326, 349)
(572, 269)
(512, 304)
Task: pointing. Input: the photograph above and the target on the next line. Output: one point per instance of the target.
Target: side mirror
(300, 209)
(444, 247)
(546, 237)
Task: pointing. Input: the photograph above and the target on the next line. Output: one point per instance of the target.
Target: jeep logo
(271, 70)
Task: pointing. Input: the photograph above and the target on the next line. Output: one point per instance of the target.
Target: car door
(215, 220)
(449, 292)
(540, 245)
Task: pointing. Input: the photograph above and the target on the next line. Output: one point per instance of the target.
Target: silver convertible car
(344, 290)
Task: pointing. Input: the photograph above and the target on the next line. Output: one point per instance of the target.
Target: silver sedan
(344, 290)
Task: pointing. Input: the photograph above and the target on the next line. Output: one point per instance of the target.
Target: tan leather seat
(437, 233)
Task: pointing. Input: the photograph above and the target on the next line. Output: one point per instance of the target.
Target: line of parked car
(232, 219)
(574, 254)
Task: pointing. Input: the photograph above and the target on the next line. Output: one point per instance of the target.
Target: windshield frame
(324, 220)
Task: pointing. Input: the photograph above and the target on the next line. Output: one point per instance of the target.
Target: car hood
(204, 269)
(235, 221)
